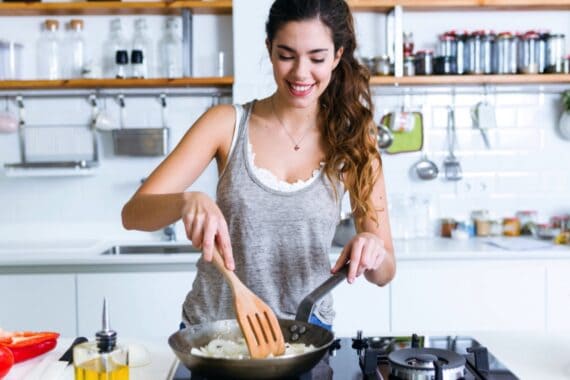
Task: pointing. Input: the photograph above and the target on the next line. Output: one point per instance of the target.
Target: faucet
(170, 232)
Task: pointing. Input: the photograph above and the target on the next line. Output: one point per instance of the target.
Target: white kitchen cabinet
(558, 301)
(38, 302)
(363, 306)
(141, 304)
(469, 295)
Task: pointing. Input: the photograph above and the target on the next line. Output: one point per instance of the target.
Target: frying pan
(298, 330)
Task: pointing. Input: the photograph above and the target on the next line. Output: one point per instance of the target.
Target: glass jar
(382, 65)
(529, 53)
(10, 60)
(555, 51)
(511, 227)
(527, 221)
(486, 57)
(473, 64)
(444, 65)
(49, 52)
(74, 50)
(424, 62)
(544, 36)
(461, 58)
(447, 46)
(447, 227)
(502, 60)
(409, 66)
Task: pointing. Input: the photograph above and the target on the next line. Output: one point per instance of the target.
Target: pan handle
(308, 303)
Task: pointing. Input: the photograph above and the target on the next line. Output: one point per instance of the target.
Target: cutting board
(405, 141)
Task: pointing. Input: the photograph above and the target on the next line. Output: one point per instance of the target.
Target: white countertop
(88, 251)
(530, 355)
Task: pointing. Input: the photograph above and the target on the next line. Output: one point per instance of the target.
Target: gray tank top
(280, 240)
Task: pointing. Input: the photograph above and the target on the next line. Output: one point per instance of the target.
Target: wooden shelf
(434, 80)
(386, 5)
(115, 7)
(115, 83)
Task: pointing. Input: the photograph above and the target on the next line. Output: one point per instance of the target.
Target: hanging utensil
(451, 164)
(425, 168)
(257, 321)
(384, 137)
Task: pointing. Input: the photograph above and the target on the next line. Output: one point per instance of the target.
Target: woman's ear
(337, 57)
(268, 46)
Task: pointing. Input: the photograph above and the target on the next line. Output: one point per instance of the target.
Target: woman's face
(303, 59)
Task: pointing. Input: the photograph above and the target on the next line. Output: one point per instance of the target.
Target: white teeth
(300, 88)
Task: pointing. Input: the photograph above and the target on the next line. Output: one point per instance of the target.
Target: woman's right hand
(206, 227)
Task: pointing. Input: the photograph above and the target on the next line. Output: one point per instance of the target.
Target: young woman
(284, 164)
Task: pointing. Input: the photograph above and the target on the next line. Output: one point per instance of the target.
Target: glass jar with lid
(529, 53)
(502, 59)
(555, 51)
(447, 45)
(473, 46)
(424, 62)
(49, 51)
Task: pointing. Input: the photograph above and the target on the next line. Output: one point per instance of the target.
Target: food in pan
(231, 349)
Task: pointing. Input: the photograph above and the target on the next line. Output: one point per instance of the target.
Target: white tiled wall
(525, 168)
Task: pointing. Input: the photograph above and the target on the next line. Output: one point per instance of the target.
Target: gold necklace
(296, 145)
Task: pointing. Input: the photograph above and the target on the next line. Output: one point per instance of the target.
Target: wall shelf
(115, 83)
(438, 5)
(115, 7)
(434, 80)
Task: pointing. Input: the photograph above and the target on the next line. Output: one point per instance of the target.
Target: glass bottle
(171, 51)
(142, 42)
(114, 43)
(102, 359)
(74, 50)
(137, 67)
(121, 63)
(48, 51)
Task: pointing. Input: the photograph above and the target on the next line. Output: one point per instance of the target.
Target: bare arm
(162, 199)
(371, 250)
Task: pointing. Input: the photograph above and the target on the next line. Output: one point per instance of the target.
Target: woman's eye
(285, 58)
(315, 60)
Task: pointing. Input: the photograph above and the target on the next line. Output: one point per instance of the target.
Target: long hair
(346, 110)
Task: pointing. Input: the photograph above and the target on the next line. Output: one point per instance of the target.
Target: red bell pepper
(27, 344)
(6, 360)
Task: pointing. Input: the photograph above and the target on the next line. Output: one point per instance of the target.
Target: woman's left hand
(365, 251)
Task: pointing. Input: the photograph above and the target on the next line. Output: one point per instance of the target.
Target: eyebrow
(289, 49)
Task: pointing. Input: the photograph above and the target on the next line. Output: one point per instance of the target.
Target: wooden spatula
(257, 321)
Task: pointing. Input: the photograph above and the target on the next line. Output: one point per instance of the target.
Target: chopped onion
(230, 349)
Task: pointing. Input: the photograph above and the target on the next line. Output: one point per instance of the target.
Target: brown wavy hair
(346, 112)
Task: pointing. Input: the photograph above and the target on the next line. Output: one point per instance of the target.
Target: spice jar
(502, 61)
(447, 46)
(511, 227)
(527, 220)
(409, 66)
(447, 227)
(462, 53)
(424, 62)
(555, 53)
(382, 65)
(482, 227)
(529, 53)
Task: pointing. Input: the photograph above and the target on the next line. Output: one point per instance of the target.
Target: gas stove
(401, 358)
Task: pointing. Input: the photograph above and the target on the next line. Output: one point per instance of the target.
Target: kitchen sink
(150, 249)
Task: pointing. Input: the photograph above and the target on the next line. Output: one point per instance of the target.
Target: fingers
(224, 245)
(356, 253)
(365, 253)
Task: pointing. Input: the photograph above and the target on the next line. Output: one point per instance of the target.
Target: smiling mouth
(300, 89)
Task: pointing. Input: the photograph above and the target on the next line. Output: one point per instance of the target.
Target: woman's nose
(302, 69)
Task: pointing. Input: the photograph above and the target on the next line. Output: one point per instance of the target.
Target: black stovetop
(367, 359)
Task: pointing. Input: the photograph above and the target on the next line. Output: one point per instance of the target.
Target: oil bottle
(102, 359)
